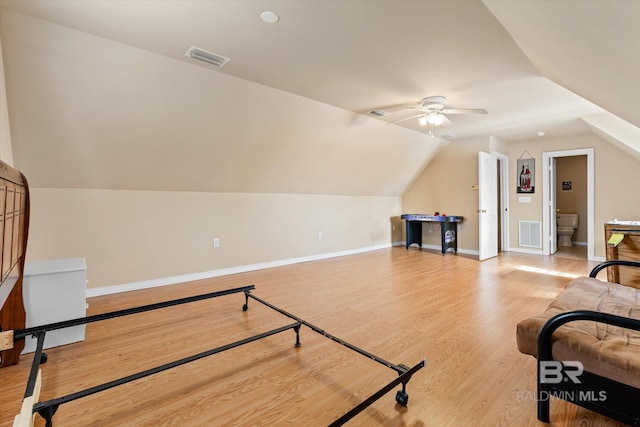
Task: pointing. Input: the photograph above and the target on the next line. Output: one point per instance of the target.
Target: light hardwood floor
(403, 305)
(574, 251)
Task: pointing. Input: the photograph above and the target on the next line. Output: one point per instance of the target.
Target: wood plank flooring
(402, 305)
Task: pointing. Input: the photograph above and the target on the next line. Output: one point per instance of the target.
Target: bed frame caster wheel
(43, 358)
(402, 398)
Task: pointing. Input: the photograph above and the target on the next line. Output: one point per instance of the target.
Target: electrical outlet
(320, 235)
(216, 242)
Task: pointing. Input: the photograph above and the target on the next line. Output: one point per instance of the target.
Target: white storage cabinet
(54, 291)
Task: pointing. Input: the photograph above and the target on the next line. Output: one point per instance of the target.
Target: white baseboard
(439, 248)
(526, 251)
(534, 252)
(164, 281)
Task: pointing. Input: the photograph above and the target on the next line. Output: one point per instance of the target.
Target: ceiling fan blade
(463, 111)
(389, 109)
(406, 118)
(447, 121)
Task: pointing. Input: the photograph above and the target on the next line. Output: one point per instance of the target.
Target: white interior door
(553, 238)
(488, 205)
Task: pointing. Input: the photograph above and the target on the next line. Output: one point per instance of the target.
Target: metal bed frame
(48, 408)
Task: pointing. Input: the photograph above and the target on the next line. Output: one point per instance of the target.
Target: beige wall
(617, 181)
(6, 154)
(128, 236)
(131, 236)
(87, 112)
(445, 186)
(573, 169)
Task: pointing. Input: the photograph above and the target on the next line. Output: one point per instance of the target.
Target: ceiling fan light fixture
(431, 112)
(435, 119)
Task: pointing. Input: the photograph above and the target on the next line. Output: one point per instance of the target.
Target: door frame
(553, 201)
(546, 192)
(503, 199)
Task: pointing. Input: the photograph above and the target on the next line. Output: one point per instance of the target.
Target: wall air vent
(530, 234)
(203, 55)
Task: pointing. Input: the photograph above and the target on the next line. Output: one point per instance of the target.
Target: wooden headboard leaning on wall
(14, 228)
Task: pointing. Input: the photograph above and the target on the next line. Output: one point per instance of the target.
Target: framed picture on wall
(526, 175)
(567, 185)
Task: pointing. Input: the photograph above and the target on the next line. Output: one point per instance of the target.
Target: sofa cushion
(605, 350)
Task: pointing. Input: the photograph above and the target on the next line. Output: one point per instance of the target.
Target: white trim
(461, 251)
(526, 251)
(590, 153)
(164, 281)
(503, 164)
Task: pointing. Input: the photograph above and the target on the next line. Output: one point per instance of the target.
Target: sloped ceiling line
(260, 125)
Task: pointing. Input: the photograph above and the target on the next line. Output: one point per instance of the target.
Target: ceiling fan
(432, 111)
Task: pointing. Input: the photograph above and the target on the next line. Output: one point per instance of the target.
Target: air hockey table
(448, 229)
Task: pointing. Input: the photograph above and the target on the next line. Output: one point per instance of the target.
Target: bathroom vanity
(623, 242)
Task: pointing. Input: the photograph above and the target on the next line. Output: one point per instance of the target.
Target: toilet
(566, 225)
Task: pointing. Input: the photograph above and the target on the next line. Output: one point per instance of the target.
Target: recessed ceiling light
(541, 133)
(269, 17)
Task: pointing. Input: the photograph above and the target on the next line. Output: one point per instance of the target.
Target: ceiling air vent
(203, 55)
(378, 113)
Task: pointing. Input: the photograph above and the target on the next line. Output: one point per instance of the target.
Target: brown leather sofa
(587, 343)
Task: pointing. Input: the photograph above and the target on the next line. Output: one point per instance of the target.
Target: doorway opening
(571, 204)
(558, 181)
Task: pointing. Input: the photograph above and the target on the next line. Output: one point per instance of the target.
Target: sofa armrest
(606, 264)
(544, 348)
(544, 339)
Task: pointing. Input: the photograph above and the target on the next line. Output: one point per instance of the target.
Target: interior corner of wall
(6, 151)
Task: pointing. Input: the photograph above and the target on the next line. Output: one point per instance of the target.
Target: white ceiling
(534, 66)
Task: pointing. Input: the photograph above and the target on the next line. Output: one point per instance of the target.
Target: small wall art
(526, 174)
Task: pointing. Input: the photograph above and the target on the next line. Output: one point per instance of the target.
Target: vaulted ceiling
(101, 94)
